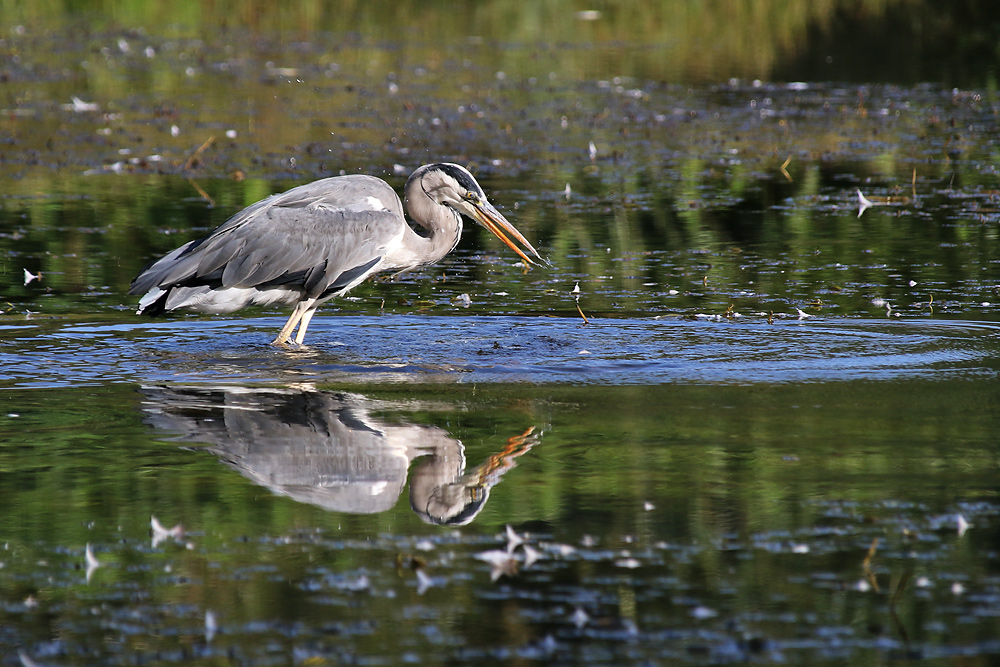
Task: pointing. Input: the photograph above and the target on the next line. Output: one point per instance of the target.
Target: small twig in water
(576, 298)
(866, 565)
(784, 170)
(191, 161)
(204, 195)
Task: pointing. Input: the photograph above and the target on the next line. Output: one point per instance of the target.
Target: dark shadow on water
(332, 450)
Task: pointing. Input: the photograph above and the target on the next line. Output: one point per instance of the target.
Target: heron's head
(451, 185)
(453, 504)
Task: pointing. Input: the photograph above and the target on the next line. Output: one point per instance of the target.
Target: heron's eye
(472, 197)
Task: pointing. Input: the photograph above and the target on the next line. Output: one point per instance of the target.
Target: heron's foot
(289, 345)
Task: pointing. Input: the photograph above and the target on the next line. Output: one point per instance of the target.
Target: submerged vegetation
(898, 41)
(742, 193)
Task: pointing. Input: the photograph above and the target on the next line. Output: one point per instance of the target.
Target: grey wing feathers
(312, 238)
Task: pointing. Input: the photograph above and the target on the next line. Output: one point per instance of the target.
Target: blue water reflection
(410, 348)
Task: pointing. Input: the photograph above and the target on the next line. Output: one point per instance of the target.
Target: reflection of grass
(659, 41)
(713, 459)
(685, 183)
(707, 489)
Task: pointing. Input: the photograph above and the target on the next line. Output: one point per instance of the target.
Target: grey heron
(318, 241)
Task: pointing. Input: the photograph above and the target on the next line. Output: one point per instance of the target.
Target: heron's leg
(304, 324)
(301, 308)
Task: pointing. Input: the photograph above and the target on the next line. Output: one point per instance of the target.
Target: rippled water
(409, 348)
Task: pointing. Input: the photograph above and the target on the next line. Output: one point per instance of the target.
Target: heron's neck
(443, 227)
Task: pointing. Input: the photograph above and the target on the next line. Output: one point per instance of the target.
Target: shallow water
(774, 439)
(469, 350)
(441, 489)
(704, 523)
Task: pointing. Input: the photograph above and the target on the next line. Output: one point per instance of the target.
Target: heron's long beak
(490, 218)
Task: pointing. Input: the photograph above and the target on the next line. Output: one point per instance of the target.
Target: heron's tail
(153, 303)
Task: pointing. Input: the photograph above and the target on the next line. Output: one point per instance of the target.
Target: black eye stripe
(462, 177)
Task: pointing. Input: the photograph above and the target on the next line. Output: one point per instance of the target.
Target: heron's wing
(322, 237)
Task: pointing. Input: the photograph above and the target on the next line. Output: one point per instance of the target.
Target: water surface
(706, 523)
(737, 418)
(470, 350)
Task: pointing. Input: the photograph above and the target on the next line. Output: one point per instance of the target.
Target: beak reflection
(329, 449)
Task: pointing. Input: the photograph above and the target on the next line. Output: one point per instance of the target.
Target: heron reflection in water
(329, 450)
(320, 240)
